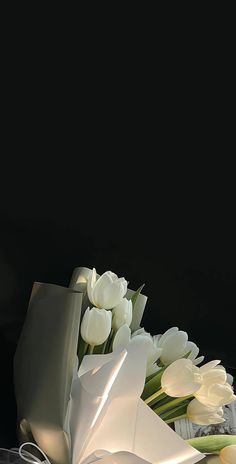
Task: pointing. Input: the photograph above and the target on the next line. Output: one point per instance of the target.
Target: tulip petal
(173, 347)
(112, 275)
(122, 314)
(209, 365)
(215, 395)
(215, 375)
(112, 294)
(181, 378)
(204, 415)
(122, 338)
(166, 335)
(190, 346)
(96, 326)
(228, 455)
(91, 283)
(104, 282)
(156, 339)
(198, 361)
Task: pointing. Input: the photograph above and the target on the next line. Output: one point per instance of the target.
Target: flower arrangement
(175, 386)
(98, 321)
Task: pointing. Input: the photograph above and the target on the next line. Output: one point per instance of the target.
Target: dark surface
(189, 275)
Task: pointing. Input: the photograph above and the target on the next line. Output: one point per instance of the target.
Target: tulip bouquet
(93, 386)
(175, 386)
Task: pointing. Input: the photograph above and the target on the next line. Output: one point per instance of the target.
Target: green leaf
(187, 354)
(171, 404)
(152, 385)
(136, 295)
(150, 377)
(174, 412)
(157, 401)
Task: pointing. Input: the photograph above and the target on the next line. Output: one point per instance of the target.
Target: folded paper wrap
(94, 414)
(44, 367)
(108, 414)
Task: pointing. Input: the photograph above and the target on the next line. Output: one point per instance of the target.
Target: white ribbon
(25, 455)
(100, 456)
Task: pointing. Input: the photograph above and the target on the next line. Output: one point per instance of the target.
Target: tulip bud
(144, 339)
(175, 345)
(200, 414)
(122, 338)
(228, 455)
(181, 378)
(215, 391)
(106, 292)
(96, 326)
(122, 314)
(215, 395)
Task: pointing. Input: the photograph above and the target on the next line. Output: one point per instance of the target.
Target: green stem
(154, 396)
(104, 347)
(170, 404)
(109, 342)
(91, 348)
(182, 416)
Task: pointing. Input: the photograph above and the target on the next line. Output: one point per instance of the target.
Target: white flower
(215, 395)
(139, 338)
(181, 378)
(96, 326)
(204, 415)
(228, 454)
(175, 345)
(122, 314)
(143, 338)
(215, 391)
(122, 338)
(106, 292)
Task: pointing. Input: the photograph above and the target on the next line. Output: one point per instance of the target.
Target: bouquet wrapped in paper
(92, 386)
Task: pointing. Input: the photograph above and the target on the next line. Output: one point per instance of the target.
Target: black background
(129, 166)
(175, 237)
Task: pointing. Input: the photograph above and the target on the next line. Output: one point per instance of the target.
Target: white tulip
(122, 338)
(143, 338)
(96, 326)
(200, 414)
(175, 345)
(208, 366)
(181, 378)
(122, 314)
(215, 375)
(228, 454)
(215, 395)
(215, 391)
(106, 292)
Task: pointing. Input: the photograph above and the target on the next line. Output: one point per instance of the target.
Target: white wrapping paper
(95, 415)
(111, 424)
